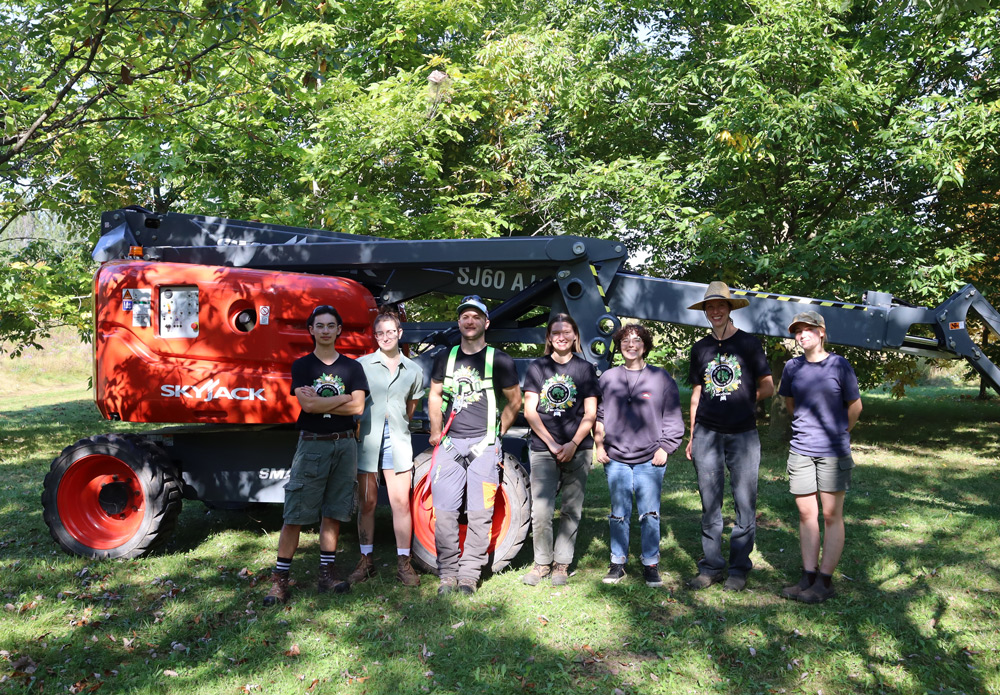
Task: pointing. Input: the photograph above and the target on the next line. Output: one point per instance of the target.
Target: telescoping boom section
(581, 276)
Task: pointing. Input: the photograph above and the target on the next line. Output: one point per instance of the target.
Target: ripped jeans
(644, 480)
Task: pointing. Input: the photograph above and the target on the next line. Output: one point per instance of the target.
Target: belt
(331, 437)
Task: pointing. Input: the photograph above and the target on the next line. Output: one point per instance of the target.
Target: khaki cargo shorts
(322, 481)
(809, 474)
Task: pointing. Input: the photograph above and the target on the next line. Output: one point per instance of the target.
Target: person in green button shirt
(397, 385)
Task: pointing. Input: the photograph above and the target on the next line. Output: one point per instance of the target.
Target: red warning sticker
(956, 325)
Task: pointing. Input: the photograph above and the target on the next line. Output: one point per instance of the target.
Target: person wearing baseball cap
(474, 397)
(821, 392)
(729, 373)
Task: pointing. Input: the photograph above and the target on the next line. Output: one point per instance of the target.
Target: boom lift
(198, 319)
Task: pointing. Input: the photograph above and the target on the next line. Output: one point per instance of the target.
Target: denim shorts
(809, 474)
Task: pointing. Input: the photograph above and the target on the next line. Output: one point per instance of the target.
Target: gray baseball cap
(474, 301)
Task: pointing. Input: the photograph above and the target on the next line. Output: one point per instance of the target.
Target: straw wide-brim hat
(720, 290)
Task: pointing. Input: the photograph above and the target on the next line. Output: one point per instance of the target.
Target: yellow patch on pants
(489, 494)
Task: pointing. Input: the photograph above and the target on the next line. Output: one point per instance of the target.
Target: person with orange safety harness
(467, 383)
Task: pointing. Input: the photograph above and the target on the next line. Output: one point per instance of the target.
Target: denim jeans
(547, 475)
(714, 452)
(644, 480)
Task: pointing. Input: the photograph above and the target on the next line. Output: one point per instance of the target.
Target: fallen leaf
(753, 652)
(543, 620)
(171, 673)
(313, 684)
(294, 651)
(458, 625)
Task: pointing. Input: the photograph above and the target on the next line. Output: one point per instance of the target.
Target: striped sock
(327, 558)
(284, 564)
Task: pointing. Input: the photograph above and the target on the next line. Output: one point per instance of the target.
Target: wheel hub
(114, 498)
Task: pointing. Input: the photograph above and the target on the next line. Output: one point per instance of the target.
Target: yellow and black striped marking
(798, 300)
(600, 289)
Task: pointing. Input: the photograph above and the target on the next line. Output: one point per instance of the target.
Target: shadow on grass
(921, 543)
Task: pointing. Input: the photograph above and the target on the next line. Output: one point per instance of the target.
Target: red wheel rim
(423, 518)
(83, 512)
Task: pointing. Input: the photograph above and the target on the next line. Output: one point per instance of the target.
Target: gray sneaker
(703, 581)
(735, 582)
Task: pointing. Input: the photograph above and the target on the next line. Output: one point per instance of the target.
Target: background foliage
(817, 147)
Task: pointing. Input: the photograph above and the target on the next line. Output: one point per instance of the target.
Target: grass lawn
(917, 610)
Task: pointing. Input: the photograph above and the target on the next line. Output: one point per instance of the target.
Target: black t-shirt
(727, 372)
(344, 376)
(470, 419)
(561, 389)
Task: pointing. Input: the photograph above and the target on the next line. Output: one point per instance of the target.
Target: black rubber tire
(516, 487)
(148, 468)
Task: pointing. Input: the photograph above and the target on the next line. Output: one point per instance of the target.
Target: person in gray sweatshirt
(639, 423)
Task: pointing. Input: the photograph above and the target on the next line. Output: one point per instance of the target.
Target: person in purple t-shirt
(639, 423)
(821, 391)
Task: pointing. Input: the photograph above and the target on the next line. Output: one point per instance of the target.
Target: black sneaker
(615, 573)
(651, 575)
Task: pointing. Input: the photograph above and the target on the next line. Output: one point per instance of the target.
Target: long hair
(562, 318)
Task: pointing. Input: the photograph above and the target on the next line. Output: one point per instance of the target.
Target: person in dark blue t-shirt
(821, 391)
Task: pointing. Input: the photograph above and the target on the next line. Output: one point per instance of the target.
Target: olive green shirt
(387, 398)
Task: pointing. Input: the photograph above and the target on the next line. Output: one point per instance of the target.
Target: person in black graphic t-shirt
(331, 390)
(560, 405)
(729, 374)
(468, 386)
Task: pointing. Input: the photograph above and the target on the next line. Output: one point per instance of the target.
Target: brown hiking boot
(329, 580)
(447, 585)
(536, 575)
(560, 574)
(364, 570)
(280, 591)
(405, 573)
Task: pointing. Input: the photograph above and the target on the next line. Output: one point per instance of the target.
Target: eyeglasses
(388, 333)
(631, 339)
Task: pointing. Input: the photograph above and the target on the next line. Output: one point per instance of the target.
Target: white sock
(367, 549)
(403, 551)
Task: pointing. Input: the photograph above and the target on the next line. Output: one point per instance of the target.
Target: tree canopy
(818, 147)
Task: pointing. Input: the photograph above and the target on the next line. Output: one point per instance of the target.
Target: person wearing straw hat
(729, 373)
(821, 392)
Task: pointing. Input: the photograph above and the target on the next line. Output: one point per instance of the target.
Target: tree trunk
(780, 429)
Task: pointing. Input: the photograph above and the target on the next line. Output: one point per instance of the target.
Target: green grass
(917, 610)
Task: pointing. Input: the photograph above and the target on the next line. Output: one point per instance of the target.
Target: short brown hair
(639, 331)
